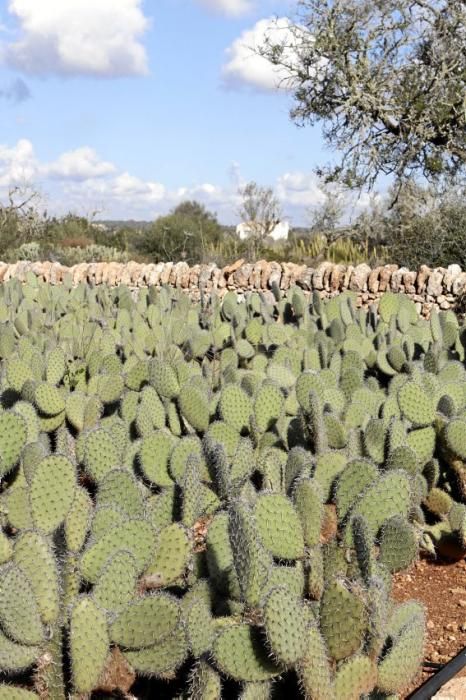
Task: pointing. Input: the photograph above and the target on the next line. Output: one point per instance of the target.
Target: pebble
(430, 625)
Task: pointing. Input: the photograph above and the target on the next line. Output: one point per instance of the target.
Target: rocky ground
(441, 586)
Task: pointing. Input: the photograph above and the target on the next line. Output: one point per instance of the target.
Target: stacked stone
(429, 288)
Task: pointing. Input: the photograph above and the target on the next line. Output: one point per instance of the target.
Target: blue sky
(128, 107)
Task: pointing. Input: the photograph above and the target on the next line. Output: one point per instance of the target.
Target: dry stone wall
(439, 287)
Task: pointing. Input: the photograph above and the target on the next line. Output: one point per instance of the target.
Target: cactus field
(210, 500)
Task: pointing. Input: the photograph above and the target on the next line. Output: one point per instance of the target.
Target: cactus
(285, 626)
(172, 555)
(53, 487)
(238, 652)
(146, 621)
(398, 544)
(224, 489)
(343, 619)
(279, 526)
(88, 630)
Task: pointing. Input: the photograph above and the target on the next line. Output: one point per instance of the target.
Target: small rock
(430, 625)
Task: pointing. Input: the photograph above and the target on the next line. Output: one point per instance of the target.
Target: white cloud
(245, 66)
(80, 181)
(300, 189)
(71, 37)
(229, 7)
(18, 165)
(81, 164)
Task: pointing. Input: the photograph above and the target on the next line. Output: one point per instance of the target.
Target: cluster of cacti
(215, 496)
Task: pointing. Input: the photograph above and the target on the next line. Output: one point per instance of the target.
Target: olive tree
(385, 78)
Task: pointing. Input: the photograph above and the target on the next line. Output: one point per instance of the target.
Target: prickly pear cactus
(208, 499)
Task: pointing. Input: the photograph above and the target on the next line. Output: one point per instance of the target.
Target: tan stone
(385, 276)
(194, 275)
(255, 278)
(241, 276)
(459, 284)
(318, 276)
(453, 271)
(396, 280)
(373, 280)
(229, 269)
(347, 277)
(337, 276)
(165, 274)
(305, 280)
(409, 281)
(275, 274)
(435, 282)
(217, 277)
(205, 275)
(422, 277)
(358, 280)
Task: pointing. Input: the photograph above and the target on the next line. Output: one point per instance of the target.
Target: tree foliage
(184, 234)
(260, 209)
(387, 80)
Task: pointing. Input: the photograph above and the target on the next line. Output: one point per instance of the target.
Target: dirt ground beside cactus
(441, 586)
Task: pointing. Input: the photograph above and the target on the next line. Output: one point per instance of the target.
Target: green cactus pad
(162, 659)
(314, 668)
(78, 520)
(343, 619)
(184, 448)
(154, 454)
(33, 555)
(135, 536)
(328, 467)
(268, 406)
(194, 406)
(355, 677)
(454, 437)
(172, 554)
(163, 378)
(27, 411)
(252, 561)
(105, 519)
(121, 489)
(416, 405)
(146, 621)
(199, 627)
(390, 495)
(205, 683)
(18, 507)
(279, 526)
(56, 366)
(308, 500)
(238, 652)
(353, 480)
(401, 663)
(16, 657)
(89, 644)
(49, 400)
(13, 436)
(53, 488)
(398, 544)
(235, 407)
(422, 441)
(117, 583)
(19, 611)
(219, 556)
(285, 626)
(100, 454)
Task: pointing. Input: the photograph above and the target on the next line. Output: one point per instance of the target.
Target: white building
(279, 233)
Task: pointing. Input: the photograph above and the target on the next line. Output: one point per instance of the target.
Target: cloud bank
(78, 37)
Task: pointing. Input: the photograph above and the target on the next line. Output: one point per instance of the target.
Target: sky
(124, 108)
